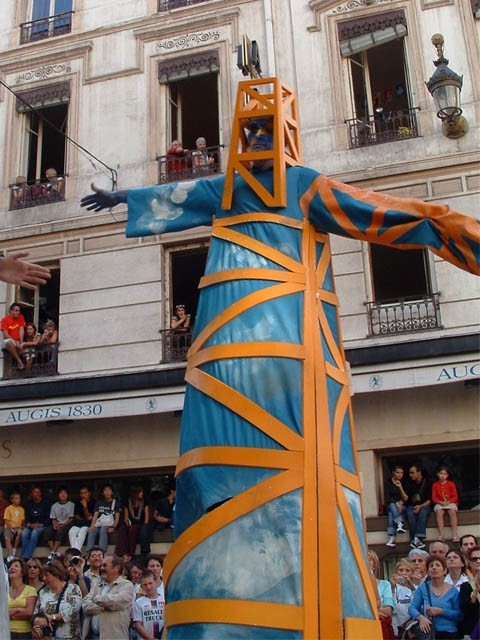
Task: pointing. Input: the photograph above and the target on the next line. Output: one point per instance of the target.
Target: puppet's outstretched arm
(401, 223)
(102, 199)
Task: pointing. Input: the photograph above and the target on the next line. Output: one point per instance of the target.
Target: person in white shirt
(456, 566)
(148, 609)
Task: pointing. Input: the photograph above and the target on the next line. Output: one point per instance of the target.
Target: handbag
(106, 519)
(387, 628)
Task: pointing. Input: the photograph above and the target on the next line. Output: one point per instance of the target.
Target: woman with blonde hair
(385, 602)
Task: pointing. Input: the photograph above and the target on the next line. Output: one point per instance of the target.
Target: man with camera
(41, 627)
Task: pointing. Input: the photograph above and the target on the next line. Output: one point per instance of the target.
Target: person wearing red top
(13, 329)
(445, 498)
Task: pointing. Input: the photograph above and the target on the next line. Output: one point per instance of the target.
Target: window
(194, 109)
(42, 303)
(37, 306)
(49, 18)
(402, 292)
(185, 268)
(399, 274)
(44, 147)
(192, 93)
(375, 54)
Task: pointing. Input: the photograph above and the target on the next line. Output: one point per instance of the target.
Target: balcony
(194, 164)
(34, 193)
(168, 5)
(175, 345)
(383, 127)
(45, 363)
(46, 27)
(404, 316)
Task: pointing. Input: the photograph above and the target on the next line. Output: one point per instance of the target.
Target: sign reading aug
(61, 412)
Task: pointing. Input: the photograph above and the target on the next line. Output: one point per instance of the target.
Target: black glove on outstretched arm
(102, 199)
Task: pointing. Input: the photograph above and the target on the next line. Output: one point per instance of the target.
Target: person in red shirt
(13, 329)
(445, 498)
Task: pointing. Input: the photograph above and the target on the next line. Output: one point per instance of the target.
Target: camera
(46, 630)
(75, 560)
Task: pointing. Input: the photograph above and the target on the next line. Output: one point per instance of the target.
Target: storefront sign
(104, 408)
(395, 376)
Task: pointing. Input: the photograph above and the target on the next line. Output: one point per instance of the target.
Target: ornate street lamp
(445, 86)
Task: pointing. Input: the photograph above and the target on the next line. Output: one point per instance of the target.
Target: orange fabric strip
(245, 408)
(251, 274)
(240, 239)
(248, 350)
(245, 612)
(347, 479)
(250, 300)
(241, 456)
(361, 629)
(259, 216)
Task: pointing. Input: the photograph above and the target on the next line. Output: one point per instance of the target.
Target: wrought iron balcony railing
(33, 193)
(175, 345)
(168, 5)
(383, 127)
(44, 363)
(49, 27)
(190, 165)
(406, 315)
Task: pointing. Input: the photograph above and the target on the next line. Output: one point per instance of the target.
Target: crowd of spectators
(91, 597)
(51, 188)
(412, 499)
(84, 522)
(22, 340)
(185, 163)
(432, 594)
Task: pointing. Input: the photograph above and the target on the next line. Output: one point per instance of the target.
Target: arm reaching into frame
(14, 270)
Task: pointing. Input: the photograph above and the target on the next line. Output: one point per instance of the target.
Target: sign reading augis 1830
(110, 408)
(63, 412)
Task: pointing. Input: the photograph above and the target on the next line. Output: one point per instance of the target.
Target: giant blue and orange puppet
(270, 541)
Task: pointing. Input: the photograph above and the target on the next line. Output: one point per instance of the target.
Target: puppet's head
(265, 135)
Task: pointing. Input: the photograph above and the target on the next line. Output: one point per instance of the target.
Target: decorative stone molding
(357, 4)
(189, 40)
(185, 66)
(42, 73)
(321, 7)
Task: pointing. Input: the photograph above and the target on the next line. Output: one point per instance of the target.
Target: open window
(399, 274)
(375, 53)
(185, 267)
(42, 174)
(42, 303)
(403, 299)
(192, 113)
(38, 306)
